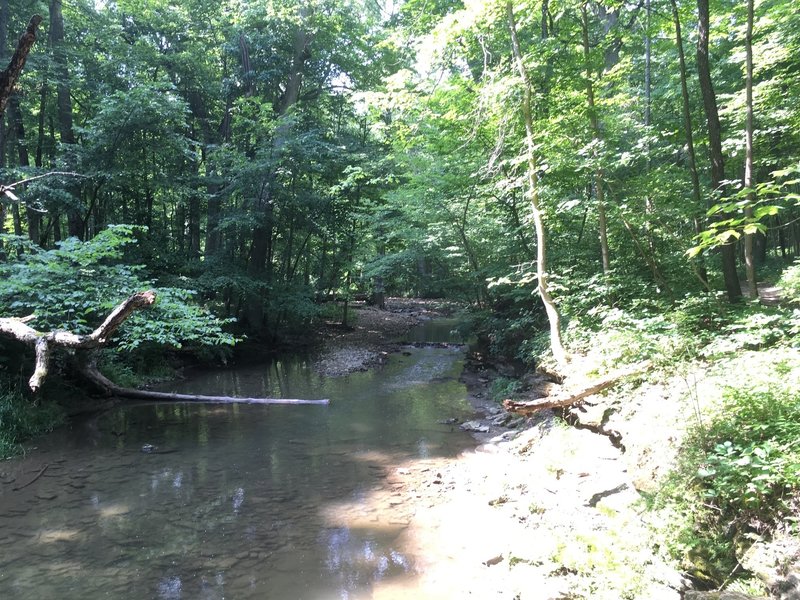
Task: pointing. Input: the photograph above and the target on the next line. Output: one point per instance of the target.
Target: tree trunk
(9, 76)
(752, 285)
(688, 131)
(75, 223)
(3, 54)
(649, 205)
(556, 345)
(728, 251)
(262, 250)
(23, 160)
(595, 126)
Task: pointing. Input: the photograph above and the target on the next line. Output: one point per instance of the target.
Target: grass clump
(21, 419)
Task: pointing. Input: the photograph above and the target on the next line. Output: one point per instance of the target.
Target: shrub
(789, 284)
(738, 473)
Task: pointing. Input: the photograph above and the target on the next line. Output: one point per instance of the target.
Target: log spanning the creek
(91, 372)
(44, 342)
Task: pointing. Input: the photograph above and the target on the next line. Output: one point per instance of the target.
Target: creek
(178, 501)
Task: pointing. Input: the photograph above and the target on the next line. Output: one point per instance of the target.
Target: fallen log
(92, 373)
(135, 394)
(44, 343)
(562, 401)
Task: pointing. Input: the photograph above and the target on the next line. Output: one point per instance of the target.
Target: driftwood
(9, 76)
(564, 400)
(43, 344)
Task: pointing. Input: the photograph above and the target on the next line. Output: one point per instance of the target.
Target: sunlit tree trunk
(752, 285)
(553, 316)
(595, 126)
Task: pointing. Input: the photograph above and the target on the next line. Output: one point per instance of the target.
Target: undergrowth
(738, 474)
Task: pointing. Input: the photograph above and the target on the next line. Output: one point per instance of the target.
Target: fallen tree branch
(562, 401)
(91, 372)
(43, 344)
(24, 485)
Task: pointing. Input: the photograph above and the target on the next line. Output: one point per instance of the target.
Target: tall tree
(688, 130)
(553, 316)
(75, 221)
(599, 179)
(752, 285)
(728, 251)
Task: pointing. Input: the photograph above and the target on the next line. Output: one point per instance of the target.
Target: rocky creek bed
(539, 509)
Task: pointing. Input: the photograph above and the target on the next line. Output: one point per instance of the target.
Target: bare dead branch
(44, 342)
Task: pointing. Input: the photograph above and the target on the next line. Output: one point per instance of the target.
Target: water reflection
(234, 501)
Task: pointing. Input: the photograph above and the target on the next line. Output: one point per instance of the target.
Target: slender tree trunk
(214, 189)
(752, 284)
(649, 206)
(75, 222)
(556, 345)
(194, 226)
(23, 160)
(593, 121)
(688, 131)
(728, 251)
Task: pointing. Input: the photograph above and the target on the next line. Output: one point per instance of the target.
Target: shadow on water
(176, 501)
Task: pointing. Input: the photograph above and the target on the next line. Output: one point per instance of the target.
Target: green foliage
(21, 419)
(789, 284)
(739, 470)
(75, 285)
(503, 388)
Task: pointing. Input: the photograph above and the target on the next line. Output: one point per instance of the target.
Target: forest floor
(538, 510)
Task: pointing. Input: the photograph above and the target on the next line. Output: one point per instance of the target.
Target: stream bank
(556, 506)
(539, 510)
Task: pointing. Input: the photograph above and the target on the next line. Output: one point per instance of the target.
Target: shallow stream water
(178, 501)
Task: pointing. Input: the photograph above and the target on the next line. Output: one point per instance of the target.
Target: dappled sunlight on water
(176, 501)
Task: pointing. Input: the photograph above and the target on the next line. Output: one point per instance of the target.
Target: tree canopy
(272, 155)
